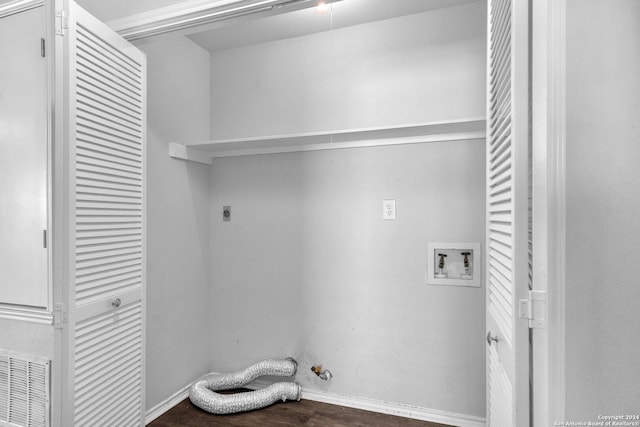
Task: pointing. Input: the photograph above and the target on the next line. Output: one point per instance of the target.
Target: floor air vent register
(24, 390)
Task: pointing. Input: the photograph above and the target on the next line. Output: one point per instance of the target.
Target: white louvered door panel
(507, 213)
(106, 248)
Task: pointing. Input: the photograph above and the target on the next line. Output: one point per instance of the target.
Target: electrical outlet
(388, 209)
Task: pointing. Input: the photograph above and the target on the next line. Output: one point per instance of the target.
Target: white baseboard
(398, 409)
(167, 404)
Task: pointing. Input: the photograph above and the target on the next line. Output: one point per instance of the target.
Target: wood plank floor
(303, 413)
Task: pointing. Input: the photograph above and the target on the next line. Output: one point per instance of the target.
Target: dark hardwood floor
(303, 413)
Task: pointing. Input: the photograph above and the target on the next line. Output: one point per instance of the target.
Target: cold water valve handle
(441, 261)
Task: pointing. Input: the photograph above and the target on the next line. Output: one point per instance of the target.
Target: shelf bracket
(181, 151)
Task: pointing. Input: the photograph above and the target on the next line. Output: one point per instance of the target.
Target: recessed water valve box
(454, 264)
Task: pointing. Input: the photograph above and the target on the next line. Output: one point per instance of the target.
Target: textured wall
(411, 69)
(603, 224)
(308, 268)
(177, 218)
(27, 338)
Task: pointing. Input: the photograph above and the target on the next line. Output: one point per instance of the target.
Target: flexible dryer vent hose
(203, 391)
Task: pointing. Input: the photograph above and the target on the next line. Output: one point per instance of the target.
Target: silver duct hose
(202, 393)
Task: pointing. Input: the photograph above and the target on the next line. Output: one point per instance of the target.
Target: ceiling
(114, 9)
(343, 13)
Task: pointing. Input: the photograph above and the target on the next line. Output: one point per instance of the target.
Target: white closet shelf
(205, 152)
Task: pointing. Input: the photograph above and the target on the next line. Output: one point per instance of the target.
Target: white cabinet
(23, 160)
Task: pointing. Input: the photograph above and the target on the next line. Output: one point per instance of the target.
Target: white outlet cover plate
(389, 209)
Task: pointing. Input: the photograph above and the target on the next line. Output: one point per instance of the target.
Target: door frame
(548, 50)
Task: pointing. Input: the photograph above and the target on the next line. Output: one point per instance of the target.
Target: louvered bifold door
(507, 213)
(106, 250)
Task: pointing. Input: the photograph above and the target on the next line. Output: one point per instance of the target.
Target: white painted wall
(412, 69)
(26, 338)
(307, 268)
(178, 218)
(603, 206)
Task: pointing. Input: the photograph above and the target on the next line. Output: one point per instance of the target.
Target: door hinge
(61, 23)
(59, 316)
(535, 309)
